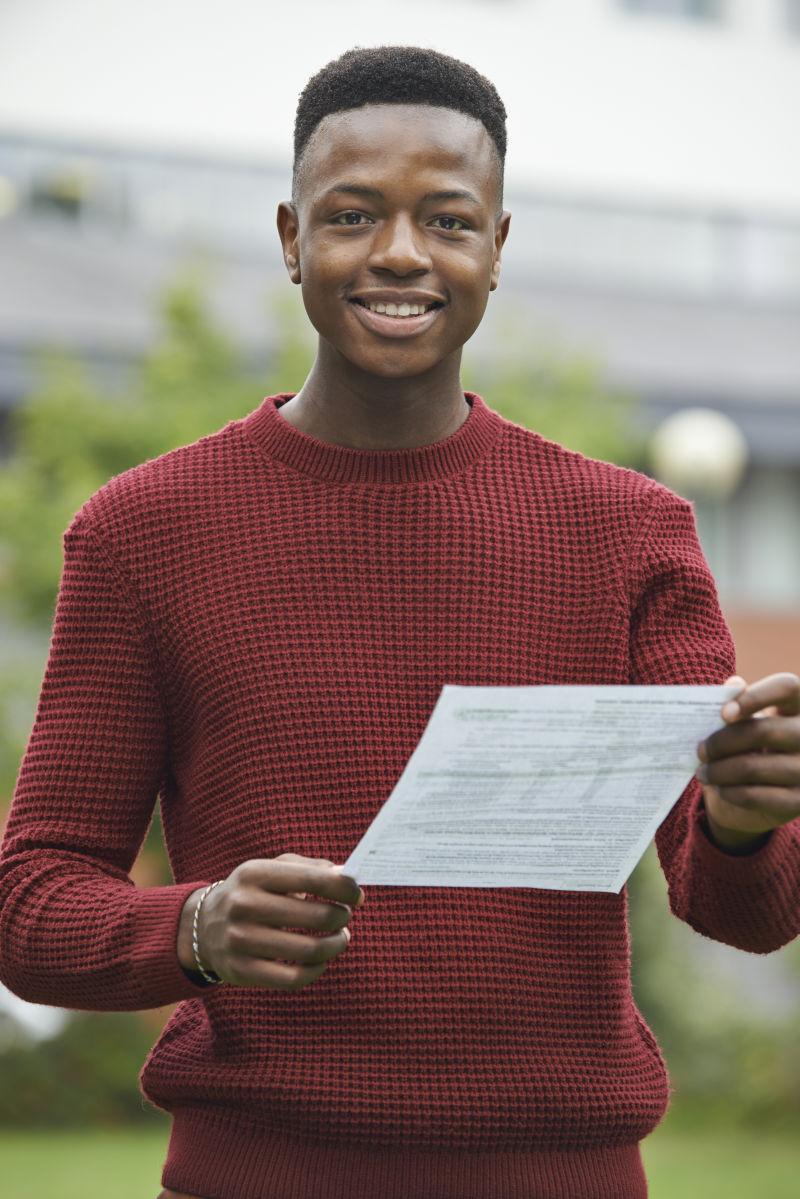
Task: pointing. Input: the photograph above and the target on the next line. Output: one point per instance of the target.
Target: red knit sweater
(254, 628)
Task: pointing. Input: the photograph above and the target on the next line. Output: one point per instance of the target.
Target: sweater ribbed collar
(277, 438)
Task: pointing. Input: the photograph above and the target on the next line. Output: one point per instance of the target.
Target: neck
(342, 405)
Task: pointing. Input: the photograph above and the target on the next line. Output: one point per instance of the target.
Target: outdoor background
(648, 314)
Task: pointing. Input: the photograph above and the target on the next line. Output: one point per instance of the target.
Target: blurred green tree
(86, 1075)
(728, 1062)
(68, 437)
(562, 393)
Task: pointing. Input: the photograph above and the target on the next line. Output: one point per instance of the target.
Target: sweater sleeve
(679, 635)
(75, 931)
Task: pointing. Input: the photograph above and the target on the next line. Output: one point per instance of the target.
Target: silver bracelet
(210, 975)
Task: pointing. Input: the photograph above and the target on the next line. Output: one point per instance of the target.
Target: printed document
(561, 787)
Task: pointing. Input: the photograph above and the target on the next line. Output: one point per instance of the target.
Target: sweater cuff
(154, 953)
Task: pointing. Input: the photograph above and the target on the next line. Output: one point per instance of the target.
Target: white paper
(555, 787)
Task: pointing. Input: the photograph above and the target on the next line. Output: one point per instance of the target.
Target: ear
(500, 235)
(289, 234)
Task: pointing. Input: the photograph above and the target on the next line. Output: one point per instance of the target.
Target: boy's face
(395, 243)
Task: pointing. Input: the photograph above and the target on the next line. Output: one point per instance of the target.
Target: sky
(598, 100)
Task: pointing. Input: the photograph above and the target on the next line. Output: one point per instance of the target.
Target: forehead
(402, 141)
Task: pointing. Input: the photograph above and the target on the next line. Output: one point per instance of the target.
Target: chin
(396, 366)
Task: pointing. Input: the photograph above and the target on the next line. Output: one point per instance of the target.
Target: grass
(127, 1164)
(721, 1165)
(73, 1164)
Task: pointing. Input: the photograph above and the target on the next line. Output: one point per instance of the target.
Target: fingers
(280, 960)
(780, 804)
(734, 817)
(265, 898)
(771, 770)
(283, 976)
(773, 732)
(276, 944)
(283, 911)
(290, 873)
(781, 689)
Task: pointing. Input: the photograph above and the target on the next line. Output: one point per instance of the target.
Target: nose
(400, 248)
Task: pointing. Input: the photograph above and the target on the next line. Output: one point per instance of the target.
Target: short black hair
(397, 75)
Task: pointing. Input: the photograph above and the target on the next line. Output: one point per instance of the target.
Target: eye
(342, 219)
(351, 212)
(453, 218)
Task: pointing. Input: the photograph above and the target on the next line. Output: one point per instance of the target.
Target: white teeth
(398, 310)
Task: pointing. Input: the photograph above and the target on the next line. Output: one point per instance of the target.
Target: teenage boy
(257, 627)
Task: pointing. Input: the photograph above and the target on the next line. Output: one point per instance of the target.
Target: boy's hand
(242, 927)
(751, 783)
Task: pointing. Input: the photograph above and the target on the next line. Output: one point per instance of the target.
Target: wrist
(184, 946)
(734, 841)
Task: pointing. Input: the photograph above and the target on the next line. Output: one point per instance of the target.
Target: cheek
(468, 279)
(324, 279)
(321, 300)
(333, 262)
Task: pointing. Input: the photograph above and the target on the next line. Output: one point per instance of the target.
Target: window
(699, 9)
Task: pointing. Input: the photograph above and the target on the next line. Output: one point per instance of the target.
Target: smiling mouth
(398, 311)
(399, 327)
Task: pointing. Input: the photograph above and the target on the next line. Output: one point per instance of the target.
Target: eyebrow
(355, 189)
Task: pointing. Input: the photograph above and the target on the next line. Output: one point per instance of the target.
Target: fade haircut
(397, 75)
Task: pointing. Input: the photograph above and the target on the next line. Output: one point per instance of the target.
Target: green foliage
(86, 1075)
(68, 438)
(724, 1060)
(563, 395)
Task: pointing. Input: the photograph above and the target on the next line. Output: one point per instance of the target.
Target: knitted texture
(254, 630)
